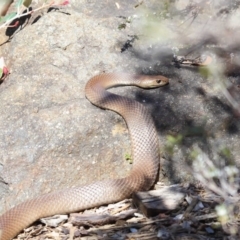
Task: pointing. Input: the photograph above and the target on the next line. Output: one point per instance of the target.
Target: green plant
(12, 10)
(128, 157)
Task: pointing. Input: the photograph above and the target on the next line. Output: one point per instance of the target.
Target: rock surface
(51, 137)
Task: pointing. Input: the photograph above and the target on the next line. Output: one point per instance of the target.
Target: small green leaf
(175, 139)
(19, 3)
(205, 72)
(8, 17)
(226, 152)
(1, 73)
(128, 157)
(122, 26)
(27, 3)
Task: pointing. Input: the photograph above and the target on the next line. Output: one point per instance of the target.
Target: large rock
(51, 137)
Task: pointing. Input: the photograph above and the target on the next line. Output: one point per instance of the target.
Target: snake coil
(145, 152)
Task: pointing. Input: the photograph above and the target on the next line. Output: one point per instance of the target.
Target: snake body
(145, 152)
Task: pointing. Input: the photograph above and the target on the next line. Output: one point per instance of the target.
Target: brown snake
(145, 152)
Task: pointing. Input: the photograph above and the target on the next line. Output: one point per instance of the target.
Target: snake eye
(158, 80)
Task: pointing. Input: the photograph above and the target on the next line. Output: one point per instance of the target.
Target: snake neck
(143, 135)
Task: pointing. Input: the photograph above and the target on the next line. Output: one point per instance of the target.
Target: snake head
(152, 81)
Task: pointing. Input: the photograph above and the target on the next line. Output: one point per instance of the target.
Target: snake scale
(145, 152)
